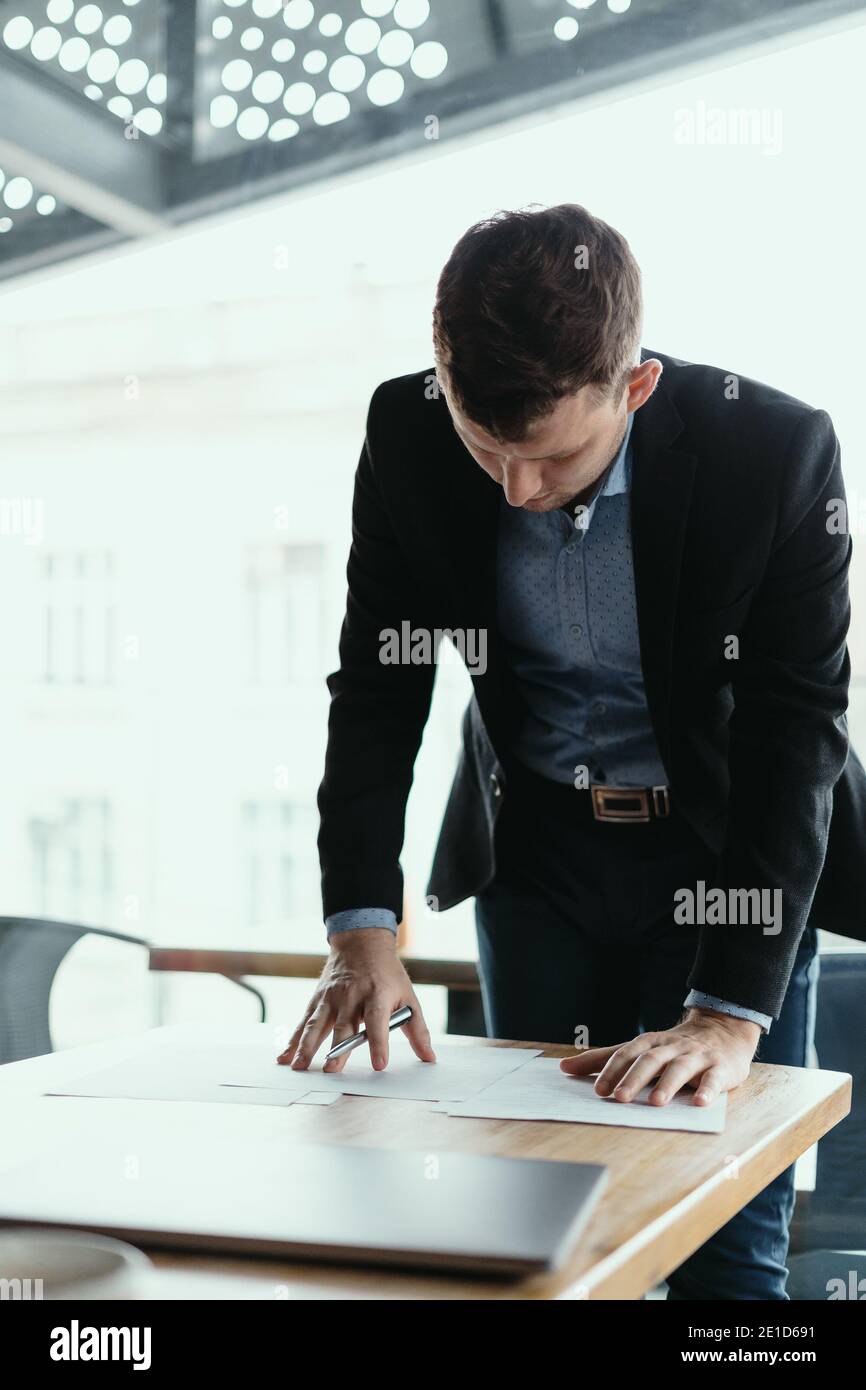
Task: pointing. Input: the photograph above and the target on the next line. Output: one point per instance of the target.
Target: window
(79, 614)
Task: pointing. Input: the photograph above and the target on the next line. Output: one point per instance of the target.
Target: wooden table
(667, 1192)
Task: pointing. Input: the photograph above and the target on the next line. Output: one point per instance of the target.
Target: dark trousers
(577, 931)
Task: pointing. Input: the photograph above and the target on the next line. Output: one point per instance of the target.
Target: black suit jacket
(729, 510)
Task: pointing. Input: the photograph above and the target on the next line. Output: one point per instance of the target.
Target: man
(651, 551)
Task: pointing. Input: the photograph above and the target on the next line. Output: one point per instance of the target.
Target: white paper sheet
(460, 1071)
(170, 1075)
(542, 1091)
(248, 1073)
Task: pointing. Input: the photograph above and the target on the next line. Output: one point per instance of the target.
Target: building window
(281, 879)
(284, 612)
(79, 617)
(73, 860)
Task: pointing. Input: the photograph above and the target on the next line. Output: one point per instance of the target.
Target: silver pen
(349, 1044)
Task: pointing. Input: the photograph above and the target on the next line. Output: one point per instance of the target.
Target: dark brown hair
(518, 325)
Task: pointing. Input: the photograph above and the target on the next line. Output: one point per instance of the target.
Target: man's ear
(643, 382)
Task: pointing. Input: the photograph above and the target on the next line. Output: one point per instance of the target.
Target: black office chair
(830, 1222)
(31, 950)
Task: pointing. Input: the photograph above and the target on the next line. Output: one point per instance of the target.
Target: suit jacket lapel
(661, 488)
(473, 527)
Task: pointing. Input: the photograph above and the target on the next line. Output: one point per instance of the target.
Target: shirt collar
(619, 472)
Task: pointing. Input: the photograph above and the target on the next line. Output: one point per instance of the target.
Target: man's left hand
(711, 1052)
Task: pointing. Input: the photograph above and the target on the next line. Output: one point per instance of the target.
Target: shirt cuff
(355, 917)
(696, 999)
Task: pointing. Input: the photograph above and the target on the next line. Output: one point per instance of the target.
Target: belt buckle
(628, 803)
(635, 804)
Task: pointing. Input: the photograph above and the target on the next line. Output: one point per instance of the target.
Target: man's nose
(519, 482)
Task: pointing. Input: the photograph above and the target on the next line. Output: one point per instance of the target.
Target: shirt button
(570, 548)
(576, 630)
(495, 785)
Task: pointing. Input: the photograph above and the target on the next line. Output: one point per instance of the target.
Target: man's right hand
(363, 982)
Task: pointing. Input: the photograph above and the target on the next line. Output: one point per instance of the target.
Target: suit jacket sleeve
(788, 737)
(378, 711)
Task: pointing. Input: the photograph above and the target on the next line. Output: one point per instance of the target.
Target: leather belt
(631, 804)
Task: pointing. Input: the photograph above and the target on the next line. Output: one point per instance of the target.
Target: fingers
(286, 1057)
(377, 1013)
(711, 1085)
(588, 1062)
(318, 1025)
(418, 1034)
(623, 1058)
(678, 1074)
(346, 1024)
(626, 1081)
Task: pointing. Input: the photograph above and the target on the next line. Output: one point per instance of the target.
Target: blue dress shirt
(568, 616)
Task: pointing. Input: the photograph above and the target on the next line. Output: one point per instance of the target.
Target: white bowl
(69, 1265)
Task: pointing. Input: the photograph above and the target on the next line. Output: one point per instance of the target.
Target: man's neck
(587, 495)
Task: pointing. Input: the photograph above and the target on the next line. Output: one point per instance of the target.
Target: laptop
(415, 1209)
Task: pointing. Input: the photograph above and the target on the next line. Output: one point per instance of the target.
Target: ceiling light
(103, 65)
(237, 75)
(396, 48)
(148, 120)
(298, 14)
(88, 19)
(385, 87)
(5, 224)
(412, 13)
(59, 11)
(377, 8)
(46, 204)
(252, 38)
(566, 28)
(117, 30)
(120, 106)
(331, 107)
(18, 32)
(330, 24)
(223, 110)
(221, 27)
(362, 36)
(347, 73)
(132, 76)
(46, 43)
(283, 129)
(283, 51)
(266, 9)
(252, 123)
(429, 59)
(315, 60)
(74, 54)
(299, 98)
(268, 86)
(157, 88)
(18, 192)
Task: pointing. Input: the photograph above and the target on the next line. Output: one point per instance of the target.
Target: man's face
(566, 451)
